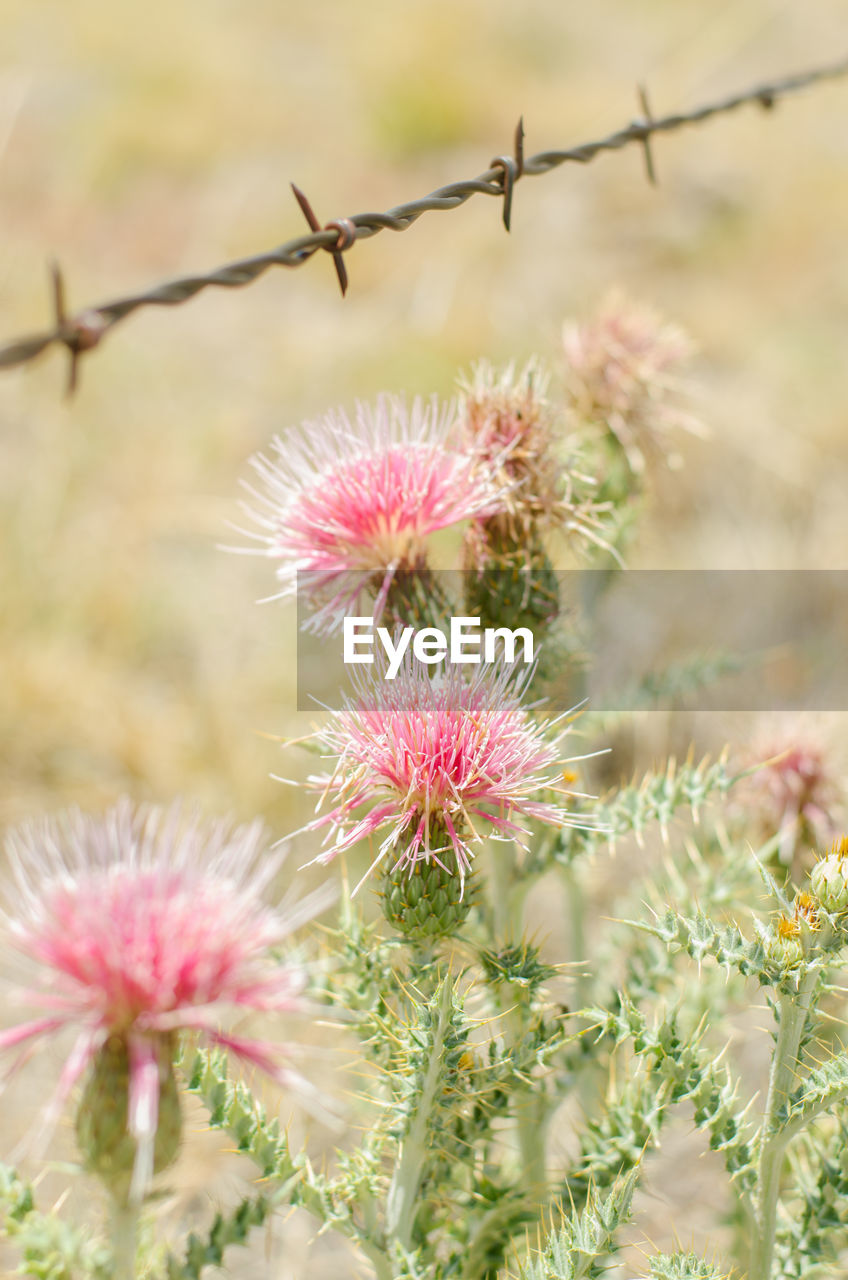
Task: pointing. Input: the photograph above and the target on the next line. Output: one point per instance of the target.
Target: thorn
(512, 168)
(646, 141)
(345, 227)
(78, 334)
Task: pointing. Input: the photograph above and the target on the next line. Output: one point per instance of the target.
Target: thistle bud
(427, 900)
(783, 943)
(109, 1148)
(829, 878)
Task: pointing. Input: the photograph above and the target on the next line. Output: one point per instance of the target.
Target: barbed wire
(83, 331)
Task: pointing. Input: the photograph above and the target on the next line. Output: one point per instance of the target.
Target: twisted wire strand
(83, 331)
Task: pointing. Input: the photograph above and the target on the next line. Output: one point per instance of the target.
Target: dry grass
(136, 142)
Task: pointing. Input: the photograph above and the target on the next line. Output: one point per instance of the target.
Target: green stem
(409, 1171)
(502, 882)
(124, 1231)
(531, 1108)
(793, 1013)
(576, 914)
(531, 1112)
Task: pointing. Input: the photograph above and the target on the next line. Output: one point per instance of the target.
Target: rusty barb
(82, 331)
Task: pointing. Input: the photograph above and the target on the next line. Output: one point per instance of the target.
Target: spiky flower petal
(343, 505)
(435, 762)
(131, 928)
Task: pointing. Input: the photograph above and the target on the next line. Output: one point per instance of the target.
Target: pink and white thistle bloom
(797, 790)
(507, 422)
(133, 927)
(343, 505)
(436, 763)
(622, 374)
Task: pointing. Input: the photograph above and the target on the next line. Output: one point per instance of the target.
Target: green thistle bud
(109, 1149)
(783, 943)
(427, 901)
(415, 598)
(829, 879)
(517, 586)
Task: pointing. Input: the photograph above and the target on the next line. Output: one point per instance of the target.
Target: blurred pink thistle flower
(622, 375)
(436, 762)
(342, 506)
(796, 791)
(139, 925)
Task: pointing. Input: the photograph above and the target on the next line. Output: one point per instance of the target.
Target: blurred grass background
(141, 142)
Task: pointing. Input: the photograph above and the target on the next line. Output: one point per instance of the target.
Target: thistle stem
(124, 1231)
(576, 913)
(508, 898)
(793, 1012)
(401, 1202)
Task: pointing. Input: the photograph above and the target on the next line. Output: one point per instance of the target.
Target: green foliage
(517, 965)
(227, 1229)
(49, 1248)
(631, 810)
(682, 1068)
(675, 684)
(815, 1226)
(822, 1089)
(232, 1107)
(684, 1266)
(584, 1239)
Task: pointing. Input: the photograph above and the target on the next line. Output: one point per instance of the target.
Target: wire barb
(78, 333)
(647, 123)
(511, 168)
(84, 331)
(345, 227)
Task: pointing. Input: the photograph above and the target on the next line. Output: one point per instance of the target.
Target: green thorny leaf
(701, 937)
(630, 810)
(464, 1197)
(638, 960)
(680, 1068)
(577, 1248)
(822, 1089)
(430, 1048)
(677, 682)
(684, 1266)
(815, 1228)
(50, 1249)
(516, 964)
(208, 1251)
(290, 1176)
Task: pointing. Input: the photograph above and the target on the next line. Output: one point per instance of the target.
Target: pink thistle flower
(343, 506)
(139, 925)
(622, 375)
(508, 424)
(435, 762)
(797, 790)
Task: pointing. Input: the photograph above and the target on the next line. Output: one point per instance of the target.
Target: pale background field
(138, 142)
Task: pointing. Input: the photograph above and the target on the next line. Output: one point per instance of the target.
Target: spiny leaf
(684, 1266)
(208, 1251)
(576, 1249)
(822, 1089)
(50, 1249)
(232, 1107)
(815, 1229)
(687, 1071)
(655, 798)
